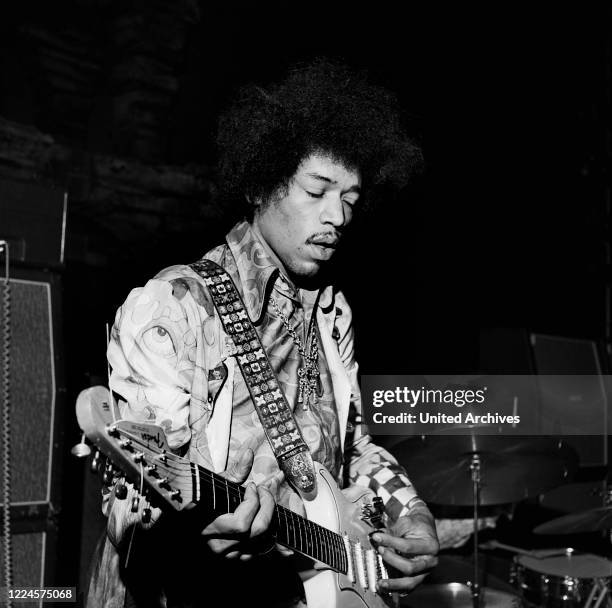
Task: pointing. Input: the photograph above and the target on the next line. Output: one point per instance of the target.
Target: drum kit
(485, 470)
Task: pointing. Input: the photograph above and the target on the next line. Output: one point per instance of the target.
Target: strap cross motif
(275, 414)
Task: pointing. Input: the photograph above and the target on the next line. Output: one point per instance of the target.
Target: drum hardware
(591, 520)
(457, 595)
(595, 602)
(475, 474)
(535, 553)
(572, 580)
(511, 468)
(501, 470)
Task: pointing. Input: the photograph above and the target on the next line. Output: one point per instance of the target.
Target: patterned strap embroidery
(275, 415)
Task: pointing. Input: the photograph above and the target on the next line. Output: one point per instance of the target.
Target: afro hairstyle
(322, 107)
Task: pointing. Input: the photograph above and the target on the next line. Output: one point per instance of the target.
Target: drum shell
(544, 590)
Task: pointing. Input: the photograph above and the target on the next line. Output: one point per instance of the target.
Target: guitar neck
(288, 528)
(141, 451)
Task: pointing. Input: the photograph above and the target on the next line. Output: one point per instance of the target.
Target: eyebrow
(328, 180)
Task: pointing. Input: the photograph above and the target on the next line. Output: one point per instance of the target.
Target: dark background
(116, 102)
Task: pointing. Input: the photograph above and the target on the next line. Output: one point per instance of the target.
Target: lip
(326, 241)
(323, 251)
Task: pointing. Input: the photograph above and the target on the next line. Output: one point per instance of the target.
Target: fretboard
(288, 528)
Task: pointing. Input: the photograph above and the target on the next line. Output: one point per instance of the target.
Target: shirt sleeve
(149, 356)
(154, 353)
(369, 465)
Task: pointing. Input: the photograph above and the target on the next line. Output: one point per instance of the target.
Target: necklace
(308, 375)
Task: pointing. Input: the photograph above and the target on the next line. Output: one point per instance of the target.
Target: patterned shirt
(157, 353)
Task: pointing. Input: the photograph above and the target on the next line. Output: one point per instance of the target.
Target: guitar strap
(275, 414)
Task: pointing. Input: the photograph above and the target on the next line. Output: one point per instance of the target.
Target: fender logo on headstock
(156, 439)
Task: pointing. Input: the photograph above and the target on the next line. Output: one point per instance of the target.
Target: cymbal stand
(475, 471)
(598, 594)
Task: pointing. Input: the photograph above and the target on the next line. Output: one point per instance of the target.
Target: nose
(333, 212)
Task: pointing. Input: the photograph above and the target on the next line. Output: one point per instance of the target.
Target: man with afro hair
(303, 157)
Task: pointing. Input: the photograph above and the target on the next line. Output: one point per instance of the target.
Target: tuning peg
(135, 504)
(81, 449)
(146, 515)
(95, 462)
(376, 520)
(121, 491)
(109, 474)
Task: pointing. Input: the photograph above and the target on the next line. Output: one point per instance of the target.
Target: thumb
(240, 468)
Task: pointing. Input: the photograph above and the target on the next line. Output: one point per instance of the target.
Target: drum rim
(529, 562)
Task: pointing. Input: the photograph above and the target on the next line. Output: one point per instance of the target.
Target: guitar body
(333, 509)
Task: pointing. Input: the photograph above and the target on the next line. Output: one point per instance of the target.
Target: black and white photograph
(305, 305)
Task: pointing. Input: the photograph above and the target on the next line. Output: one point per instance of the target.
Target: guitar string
(238, 492)
(289, 515)
(129, 549)
(108, 372)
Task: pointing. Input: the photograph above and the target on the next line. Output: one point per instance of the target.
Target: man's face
(303, 225)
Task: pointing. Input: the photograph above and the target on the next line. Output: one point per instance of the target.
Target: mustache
(328, 239)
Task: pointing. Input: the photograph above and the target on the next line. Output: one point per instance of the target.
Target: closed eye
(315, 194)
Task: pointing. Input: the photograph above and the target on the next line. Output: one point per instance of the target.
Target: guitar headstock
(138, 449)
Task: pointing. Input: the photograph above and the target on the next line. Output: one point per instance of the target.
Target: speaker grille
(28, 560)
(32, 388)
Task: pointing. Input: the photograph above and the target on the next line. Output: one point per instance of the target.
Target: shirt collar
(256, 268)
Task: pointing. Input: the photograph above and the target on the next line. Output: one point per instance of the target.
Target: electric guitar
(345, 567)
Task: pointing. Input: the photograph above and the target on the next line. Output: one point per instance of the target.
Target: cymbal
(585, 521)
(456, 595)
(511, 468)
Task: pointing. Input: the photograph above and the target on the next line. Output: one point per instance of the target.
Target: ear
(255, 202)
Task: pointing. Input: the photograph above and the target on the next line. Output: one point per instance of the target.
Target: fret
(345, 555)
(334, 549)
(283, 526)
(302, 534)
(295, 523)
(304, 527)
(325, 552)
(206, 482)
(339, 549)
(291, 529)
(308, 533)
(293, 526)
(320, 548)
(320, 544)
(334, 545)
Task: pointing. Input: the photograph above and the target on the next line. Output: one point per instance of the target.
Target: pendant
(308, 383)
